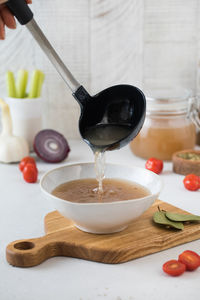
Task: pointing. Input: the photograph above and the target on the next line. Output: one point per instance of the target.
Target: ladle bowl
(112, 118)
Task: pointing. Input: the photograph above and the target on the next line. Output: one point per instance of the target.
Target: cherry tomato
(174, 267)
(191, 182)
(155, 165)
(30, 173)
(191, 259)
(26, 160)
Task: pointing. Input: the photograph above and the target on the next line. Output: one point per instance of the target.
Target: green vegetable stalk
(41, 80)
(35, 82)
(22, 79)
(19, 90)
(10, 84)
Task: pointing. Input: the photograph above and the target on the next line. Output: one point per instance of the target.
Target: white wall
(171, 36)
(150, 43)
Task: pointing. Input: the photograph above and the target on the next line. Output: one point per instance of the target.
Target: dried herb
(159, 217)
(182, 218)
(189, 156)
(173, 220)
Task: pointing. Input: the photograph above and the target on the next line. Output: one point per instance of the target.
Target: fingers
(2, 29)
(8, 18)
(28, 1)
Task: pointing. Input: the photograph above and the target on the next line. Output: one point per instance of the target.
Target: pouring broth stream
(99, 137)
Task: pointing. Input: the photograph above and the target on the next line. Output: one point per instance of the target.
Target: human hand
(7, 19)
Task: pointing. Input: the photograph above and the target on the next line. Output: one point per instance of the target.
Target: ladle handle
(22, 12)
(67, 76)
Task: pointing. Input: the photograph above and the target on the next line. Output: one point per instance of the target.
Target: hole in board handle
(24, 245)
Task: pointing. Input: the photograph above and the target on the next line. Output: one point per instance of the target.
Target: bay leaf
(159, 217)
(181, 217)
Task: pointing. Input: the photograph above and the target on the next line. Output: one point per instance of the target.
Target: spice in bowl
(186, 162)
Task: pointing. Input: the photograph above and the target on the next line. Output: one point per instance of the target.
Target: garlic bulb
(12, 148)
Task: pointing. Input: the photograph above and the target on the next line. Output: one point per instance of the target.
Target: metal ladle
(110, 119)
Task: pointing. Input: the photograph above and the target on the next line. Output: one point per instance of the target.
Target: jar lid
(167, 101)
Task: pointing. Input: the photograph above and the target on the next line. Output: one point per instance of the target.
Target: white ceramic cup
(26, 116)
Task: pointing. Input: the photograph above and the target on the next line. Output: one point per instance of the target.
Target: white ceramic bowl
(101, 217)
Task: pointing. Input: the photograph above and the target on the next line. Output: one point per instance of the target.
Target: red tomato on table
(191, 182)
(30, 173)
(191, 259)
(26, 160)
(155, 165)
(174, 267)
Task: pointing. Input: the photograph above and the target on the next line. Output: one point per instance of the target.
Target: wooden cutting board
(142, 237)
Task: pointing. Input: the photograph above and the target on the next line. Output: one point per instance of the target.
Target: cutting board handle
(31, 252)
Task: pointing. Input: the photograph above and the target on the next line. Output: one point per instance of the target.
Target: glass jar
(169, 125)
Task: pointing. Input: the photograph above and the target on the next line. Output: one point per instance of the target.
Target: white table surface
(21, 216)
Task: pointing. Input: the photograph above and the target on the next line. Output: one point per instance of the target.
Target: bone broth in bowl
(123, 195)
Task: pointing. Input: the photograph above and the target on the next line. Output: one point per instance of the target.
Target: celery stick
(10, 84)
(22, 78)
(34, 84)
(41, 80)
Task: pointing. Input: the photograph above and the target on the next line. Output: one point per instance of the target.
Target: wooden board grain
(140, 238)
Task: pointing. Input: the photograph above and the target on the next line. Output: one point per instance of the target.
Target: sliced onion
(51, 146)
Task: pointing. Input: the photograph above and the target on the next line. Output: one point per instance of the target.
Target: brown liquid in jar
(161, 138)
(86, 190)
